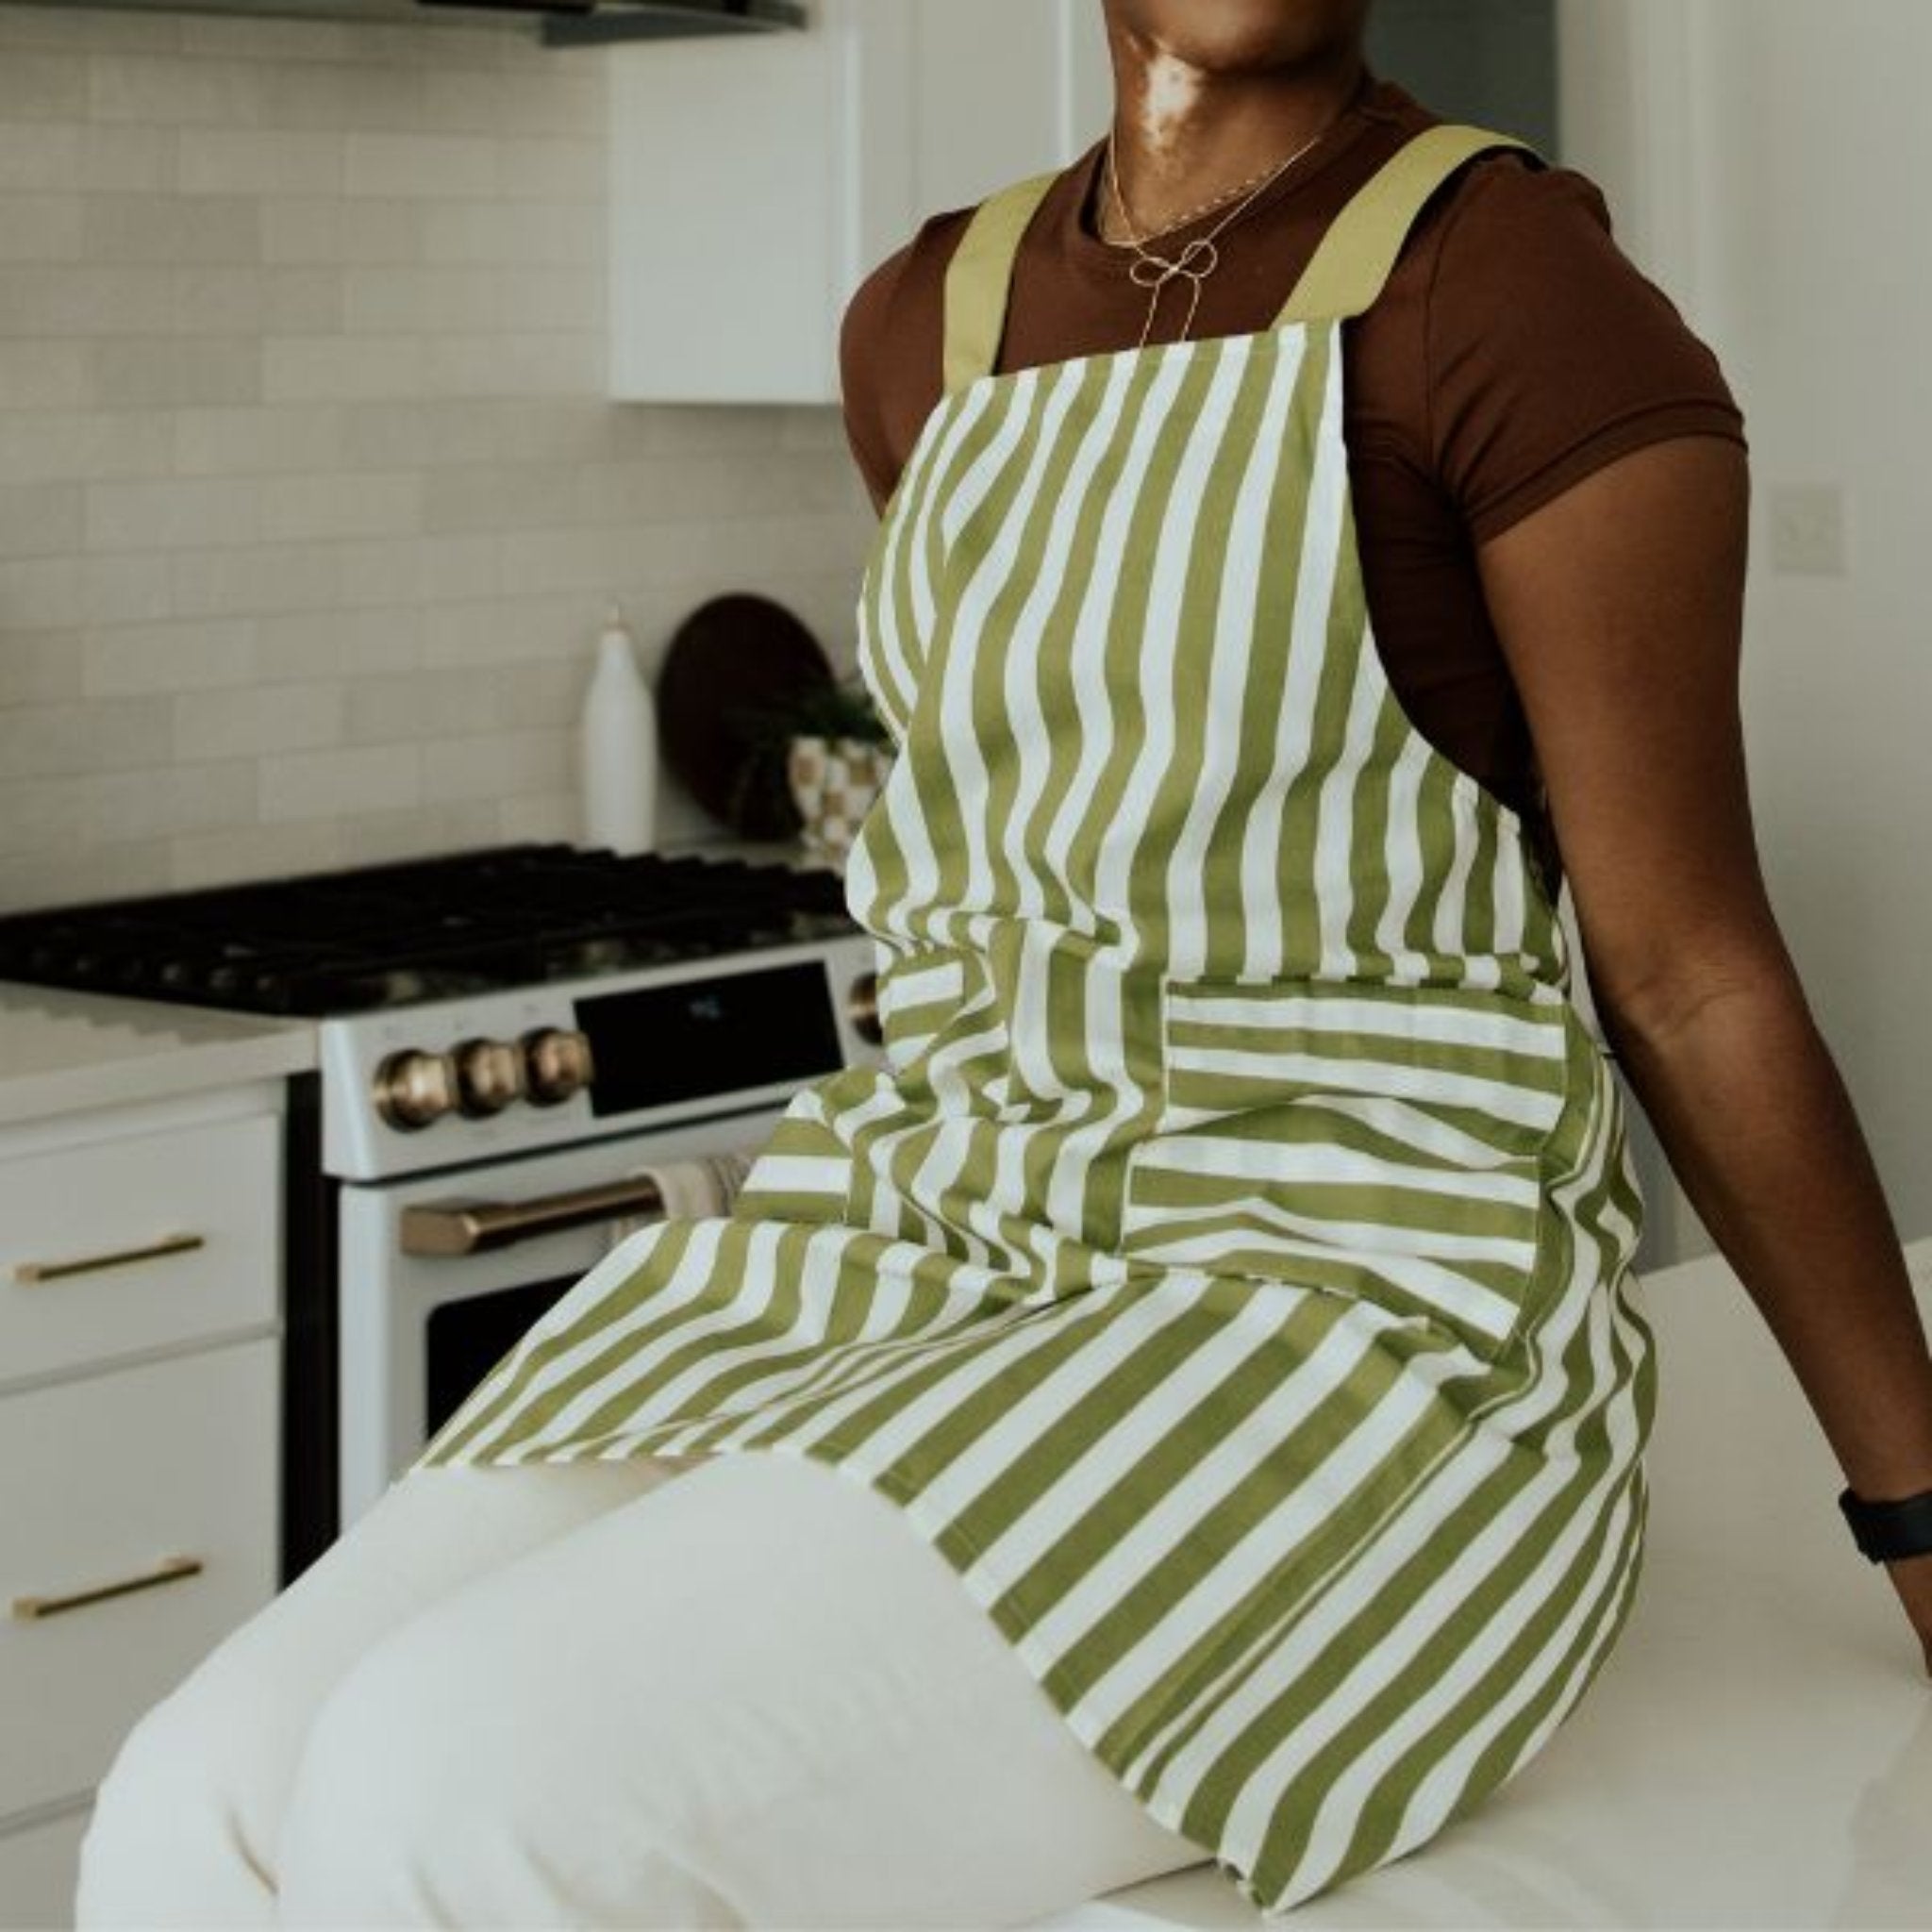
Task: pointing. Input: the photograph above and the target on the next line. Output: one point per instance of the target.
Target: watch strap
(1887, 1531)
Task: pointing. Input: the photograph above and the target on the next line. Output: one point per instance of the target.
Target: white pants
(593, 1694)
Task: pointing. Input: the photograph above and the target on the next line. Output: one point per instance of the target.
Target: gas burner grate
(394, 935)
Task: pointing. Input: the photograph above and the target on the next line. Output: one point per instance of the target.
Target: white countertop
(62, 1052)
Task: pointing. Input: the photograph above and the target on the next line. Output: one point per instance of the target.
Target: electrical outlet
(1807, 529)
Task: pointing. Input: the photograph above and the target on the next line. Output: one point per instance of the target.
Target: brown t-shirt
(1514, 349)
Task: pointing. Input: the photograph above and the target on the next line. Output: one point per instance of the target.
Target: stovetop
(376, 937)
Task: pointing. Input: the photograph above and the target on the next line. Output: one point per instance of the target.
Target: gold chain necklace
(1198, 258)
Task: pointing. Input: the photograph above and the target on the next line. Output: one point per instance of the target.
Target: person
(1200, 1374)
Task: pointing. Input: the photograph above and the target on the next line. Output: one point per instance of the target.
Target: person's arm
(1620, 609)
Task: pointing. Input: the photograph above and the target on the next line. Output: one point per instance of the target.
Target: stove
(512, 1043)
(430, 929)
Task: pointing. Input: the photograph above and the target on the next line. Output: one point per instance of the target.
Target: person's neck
(1183, 134)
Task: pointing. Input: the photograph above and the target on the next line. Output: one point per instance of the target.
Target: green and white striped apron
(1229, 1267)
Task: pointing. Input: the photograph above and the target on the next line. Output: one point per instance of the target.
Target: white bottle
(618, 744)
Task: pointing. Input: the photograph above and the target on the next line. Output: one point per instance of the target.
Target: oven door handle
(438, 1228)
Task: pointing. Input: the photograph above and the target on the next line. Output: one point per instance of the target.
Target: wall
(1490, 61)
(309, 504)
(1768, 160)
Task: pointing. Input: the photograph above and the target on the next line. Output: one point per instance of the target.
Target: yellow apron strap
(1346, 272)
(979, 275)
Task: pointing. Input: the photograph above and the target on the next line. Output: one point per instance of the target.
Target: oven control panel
(441, 1084)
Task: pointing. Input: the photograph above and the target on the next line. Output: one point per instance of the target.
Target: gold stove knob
(489, 1075)
(862, 1008)
(557, 1064)
(414, 1088)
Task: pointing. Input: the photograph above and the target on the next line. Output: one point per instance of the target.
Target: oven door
(417, 1332)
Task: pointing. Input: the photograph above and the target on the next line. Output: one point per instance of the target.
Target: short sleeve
(1549, 353)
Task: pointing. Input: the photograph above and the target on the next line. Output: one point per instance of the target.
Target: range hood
(561, 23)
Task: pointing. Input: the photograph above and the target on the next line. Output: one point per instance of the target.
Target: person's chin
(1245, 35)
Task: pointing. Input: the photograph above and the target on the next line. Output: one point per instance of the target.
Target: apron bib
(1228, 1271)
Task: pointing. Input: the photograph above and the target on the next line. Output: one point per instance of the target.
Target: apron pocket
(1381, 1141)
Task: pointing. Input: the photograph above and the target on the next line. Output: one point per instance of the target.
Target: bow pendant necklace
(1199, 257)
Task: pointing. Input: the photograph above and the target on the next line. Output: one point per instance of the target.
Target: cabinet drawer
(38, 1867)
(101, 1480)
(151, 1238)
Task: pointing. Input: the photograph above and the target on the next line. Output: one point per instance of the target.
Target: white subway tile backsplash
(177, 229)
(55, 875)
(419, 705)
(35, 158)
(42, 87)
(252, 161)
(137, 588)
(39, 229)
(307, 230)
(258, 441)
(135, 372)
(247, 852)
(172, 514)
(558, 363)
(346, 645)
(376, 837)
(515, 630)
(325, 506)
(84, 445)
(101, 735)
(549, 168)
(383, 300)
(505, 497)
(366, 95)
(270, 39)
(455, 569)
(378, 572)
(420, 435)
(73, 817)
(42, 376)
(311, 503)
(266, 581)
(443, 166)
(302, 368)
(167, 91)
(69, 29)
(549, 817)
(39, 668)
(253, 718)
(135, 160)
(39, 519)
(339, 784)
(131, 659)
(166, 802)
(487, 766)
(86, 300)
(528, 235)
(39, 592)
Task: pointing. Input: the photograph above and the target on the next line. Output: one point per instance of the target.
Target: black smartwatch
(1887, 1531)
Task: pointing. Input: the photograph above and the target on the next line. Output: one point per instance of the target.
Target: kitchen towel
(702, 1183)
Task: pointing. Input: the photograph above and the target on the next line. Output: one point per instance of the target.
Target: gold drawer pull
(169, 1569)
(30, 1272)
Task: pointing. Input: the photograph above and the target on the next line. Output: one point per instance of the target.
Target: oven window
(467, 1338)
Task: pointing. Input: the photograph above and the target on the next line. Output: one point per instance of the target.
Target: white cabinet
(755, 181)
(139, 1438)
(37, 1861)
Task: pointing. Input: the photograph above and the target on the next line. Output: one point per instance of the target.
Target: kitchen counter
(62, 1052)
